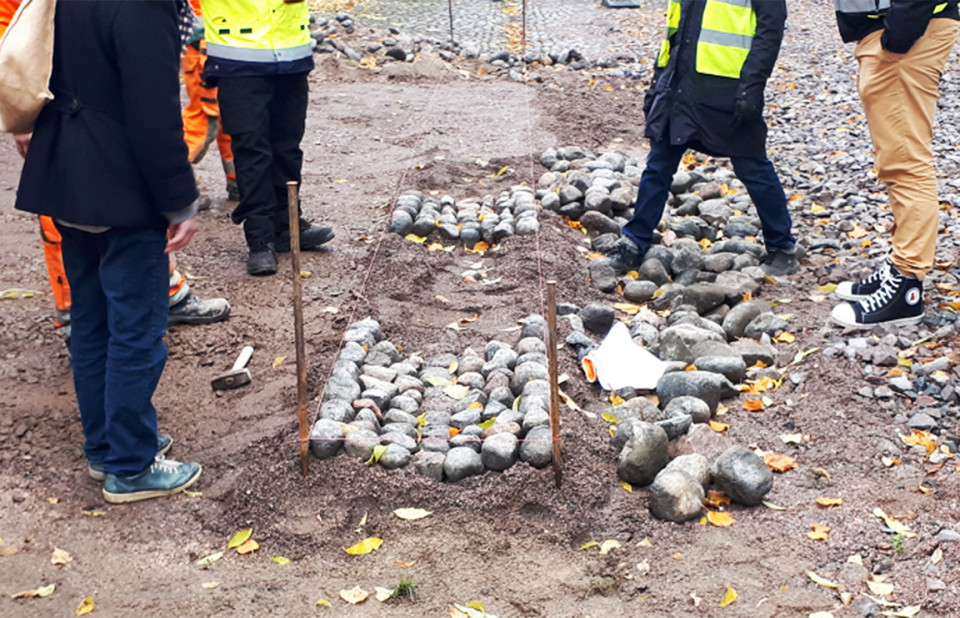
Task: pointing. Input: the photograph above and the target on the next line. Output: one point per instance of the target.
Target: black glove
(748, 107)
(648, 101)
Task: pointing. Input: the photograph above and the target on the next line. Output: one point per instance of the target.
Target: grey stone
(399, 416)
(598, 222)
(602, 274)
(396, 456)
(533, 326)
(764, 324)
(644, 454)
(700, 384)
(735, 323)
(676, 425)
(921, 421)
(341, 387)
(405, 403)
(326, 438)
(653, 270)
(338, 410)
(360, 442)
(752, 351)
(465, 417)
(731, 367)
(462, 462)
(694, 464)
(367, 415)
(948, 535)
(353, 351)
(470, 441)
(500, 451)
(675, 496)
(704, 296)
(526, 372)
(742, 475)
(429, 464)
(676, 342)
(696, 408)
(639, 291)
(536, 448)
(597, 318)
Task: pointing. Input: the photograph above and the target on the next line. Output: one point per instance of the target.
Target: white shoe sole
(113, 498)
(859, 326)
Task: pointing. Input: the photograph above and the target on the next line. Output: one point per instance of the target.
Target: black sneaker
(897, 302)
(856, 290)
(193, 310)
(780, 262)
(310, 237)
(262, 261)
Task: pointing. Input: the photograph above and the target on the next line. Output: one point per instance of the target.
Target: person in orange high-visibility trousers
(201, 115)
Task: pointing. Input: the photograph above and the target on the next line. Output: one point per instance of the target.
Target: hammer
(238, 376)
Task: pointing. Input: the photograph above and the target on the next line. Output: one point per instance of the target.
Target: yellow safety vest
(726, 34)
(257, 30)
(875, 8)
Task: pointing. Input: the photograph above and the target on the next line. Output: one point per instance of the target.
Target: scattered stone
(742, 475)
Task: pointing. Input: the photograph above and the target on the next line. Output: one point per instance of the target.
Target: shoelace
(882, 273)
(883, 295)
(162, 464)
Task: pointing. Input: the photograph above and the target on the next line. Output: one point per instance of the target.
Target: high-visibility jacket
(902, 21)
(724, 39)
(257, 31)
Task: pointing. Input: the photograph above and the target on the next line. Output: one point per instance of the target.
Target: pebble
(645, 453)
(742, 475)
(676, 496)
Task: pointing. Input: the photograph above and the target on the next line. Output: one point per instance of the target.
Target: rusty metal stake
(524, 39)
(294, 207)
(554, 385)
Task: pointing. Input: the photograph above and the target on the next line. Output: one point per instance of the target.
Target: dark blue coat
(109, 149)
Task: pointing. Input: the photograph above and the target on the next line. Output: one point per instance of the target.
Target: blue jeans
(757, 175)
(119, 283)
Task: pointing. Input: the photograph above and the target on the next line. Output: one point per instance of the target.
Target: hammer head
(233, 379)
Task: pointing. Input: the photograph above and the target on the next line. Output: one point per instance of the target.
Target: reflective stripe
(874, 7)
(215, 50)
(726, 36)
(939, 8)
(742, 3)
(727, 39)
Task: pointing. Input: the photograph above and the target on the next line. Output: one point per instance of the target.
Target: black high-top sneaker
(857, 290)
(897, 302)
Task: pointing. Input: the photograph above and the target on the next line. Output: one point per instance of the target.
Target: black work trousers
(265, 117)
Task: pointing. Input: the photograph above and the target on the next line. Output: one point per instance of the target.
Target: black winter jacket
(700, 111)
(109, 149)
(902, 24)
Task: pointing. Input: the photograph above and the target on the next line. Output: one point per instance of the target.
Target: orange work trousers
(201, 116)
(900, 98)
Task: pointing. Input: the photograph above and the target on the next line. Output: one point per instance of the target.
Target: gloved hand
(748, 107)
(648, 101)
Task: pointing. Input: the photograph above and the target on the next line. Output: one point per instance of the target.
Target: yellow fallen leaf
(383, 594)
(355, 595)
(435, 246)
(779, 463)
(627, 486)
(60, 557)
(53, 500)
(376, 454)
(405, 565)
(609, 545)
(820, 581)
(477, 605)
(879, 588)
(773, 507)
(828, 502)
(720, 519)
(754, 405)
(628, 308)
(473, 318)
(610, 418)
(278, 361)
(281, 560)
(906, 612)
(716, 499)
(305, 274)
(819, 532)
(785, 337)
(248, 546)
(193, 494)
(412, 514)
(920, 438)
(86, 606)
(210, 585)
(365, 546)
(893, 524)
(323, 603)
(588, 545)
(6, 550)
(42, 592)
(93, 513)
(415, 238)
(209, 559)
(503, 170)
(456, 391)
(240, 538)
(729, 596)
(617, 400)
(340, 180)
(438, 381)
(718, 427)
(922, 489)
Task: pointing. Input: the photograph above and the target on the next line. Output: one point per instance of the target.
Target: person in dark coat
(108, 162)
(707, 95)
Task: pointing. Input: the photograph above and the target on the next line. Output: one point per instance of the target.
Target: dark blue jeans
(119, 283)
(757, 175)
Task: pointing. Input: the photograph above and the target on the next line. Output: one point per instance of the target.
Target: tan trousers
(900, 98)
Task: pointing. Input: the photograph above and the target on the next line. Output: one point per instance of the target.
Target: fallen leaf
(718, 427)
(754, 405)
(193, 494)
(773, 507)
(355, 595)
(920, 438)
(828, 502)
(53, 500)
(278, 361)
(209, 559)
(210, 585)
(456, 391)
(879, 588)
(820, 581)
(365, 546)
(383, 594)
(588, 545)
(7, 550)
(240, 538)
(376, 454)
(500, 172)
(696, 600)
(628, 308)
(438, 381)
(405, 565)
(249, 546)
(720, 519)
(792, 438)
(412, 514)
(893, 524)
(627, 486)
(330, 309)
(609, 545)
(906, 612)
(779, 463)
(93, 513)
(323, 603)
(729, 596)
(415, 238)
(821, 472)
(610, 418)
(819, 532)
(60, 557)
(86, 606)
(281, 560)
(716, 499)
(42, 592)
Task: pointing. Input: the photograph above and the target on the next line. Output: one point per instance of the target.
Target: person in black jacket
(902, 49)
(108, 162)
(707, 94)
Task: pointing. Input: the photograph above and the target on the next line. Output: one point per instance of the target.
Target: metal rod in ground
(450, 8)
(554, 384)
(523, 12)
(293, 203)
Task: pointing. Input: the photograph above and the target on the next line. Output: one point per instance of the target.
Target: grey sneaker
(95, 469)
(780, 262)
(163, 478)
(193, 310)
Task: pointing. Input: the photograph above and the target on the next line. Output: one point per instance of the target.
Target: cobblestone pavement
(492, 25)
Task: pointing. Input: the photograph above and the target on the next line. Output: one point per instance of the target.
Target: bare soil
(510, 540)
